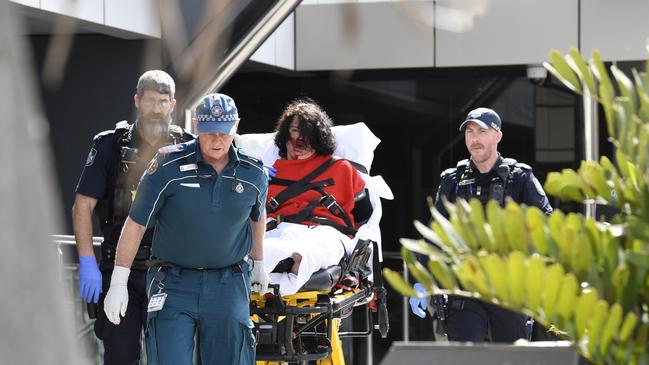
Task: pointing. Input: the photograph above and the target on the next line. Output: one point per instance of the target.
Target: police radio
(128, 155)
(497, 190)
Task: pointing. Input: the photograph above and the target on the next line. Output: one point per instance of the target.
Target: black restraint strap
(358, 167)
(297, 188)
(329, 202)
(328, 222)
(303, 214)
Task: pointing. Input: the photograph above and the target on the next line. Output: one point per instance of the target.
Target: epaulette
(251, 156)
(120, 125)
(175, 129)
(448, 172)
(123, 124)
(464, 163)
(509, 161)
(523, 166)
(103, 134)
(180, 135)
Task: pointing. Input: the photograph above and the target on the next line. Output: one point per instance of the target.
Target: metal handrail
(69, 239)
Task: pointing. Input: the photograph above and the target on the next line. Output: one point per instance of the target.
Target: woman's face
(296, 147)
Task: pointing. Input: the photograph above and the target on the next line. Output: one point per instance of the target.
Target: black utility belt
(166, 265)
(460, 304)
(109, 251)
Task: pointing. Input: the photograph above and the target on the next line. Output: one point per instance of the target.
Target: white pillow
(354, 142)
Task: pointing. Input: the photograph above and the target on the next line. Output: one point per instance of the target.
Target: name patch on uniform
(466, 182)
(91, 157)
(189, 166)
(153, 167)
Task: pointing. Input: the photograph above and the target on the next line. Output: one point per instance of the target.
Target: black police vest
(495, 185)
(124, 177)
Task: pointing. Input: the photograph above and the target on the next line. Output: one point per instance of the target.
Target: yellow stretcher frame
(296, 328)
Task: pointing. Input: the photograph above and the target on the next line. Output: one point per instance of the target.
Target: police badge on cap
(217, 113)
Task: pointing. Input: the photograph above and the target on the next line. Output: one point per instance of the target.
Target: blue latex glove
(270, 171)
(419, 305)
(89, 279)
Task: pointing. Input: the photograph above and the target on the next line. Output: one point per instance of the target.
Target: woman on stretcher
(310, 200)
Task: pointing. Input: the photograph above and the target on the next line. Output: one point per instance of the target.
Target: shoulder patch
(250, 155)
(171, 149)
(103, 134)
(91, 157)
(153, 166)
(539, 188)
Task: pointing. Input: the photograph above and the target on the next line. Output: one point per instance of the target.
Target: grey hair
(156, 80)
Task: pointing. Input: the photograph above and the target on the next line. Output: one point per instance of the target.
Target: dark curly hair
(315, 127)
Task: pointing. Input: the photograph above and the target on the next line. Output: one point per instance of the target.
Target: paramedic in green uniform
(205, 199)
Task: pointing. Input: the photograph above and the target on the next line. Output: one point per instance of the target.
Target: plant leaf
(582, 70)
(516, 278)
(396, 281)
(560, 68)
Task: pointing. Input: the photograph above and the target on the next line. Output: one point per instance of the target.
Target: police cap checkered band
(486, 118)
(217, 113)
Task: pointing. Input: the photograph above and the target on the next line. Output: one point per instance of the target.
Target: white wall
(138, 16)
(619, 29)
(506, 32)
(129, 19)
(89, 10)
(367, 35)
(279, 49)
(31, 3)
(457, 33)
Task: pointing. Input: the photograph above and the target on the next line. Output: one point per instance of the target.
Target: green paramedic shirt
(201, 219)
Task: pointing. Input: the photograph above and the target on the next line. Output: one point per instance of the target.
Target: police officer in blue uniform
(206, 200)
(485, 176)
(113, 169)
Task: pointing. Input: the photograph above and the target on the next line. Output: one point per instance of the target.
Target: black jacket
(465, 180)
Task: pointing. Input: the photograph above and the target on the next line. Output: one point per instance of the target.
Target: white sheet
(319, 246)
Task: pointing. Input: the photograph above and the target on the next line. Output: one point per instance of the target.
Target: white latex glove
(259, 277)
(116, 299)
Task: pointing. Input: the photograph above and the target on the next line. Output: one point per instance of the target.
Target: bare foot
(297, 258)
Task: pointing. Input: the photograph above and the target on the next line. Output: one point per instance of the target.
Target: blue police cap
(217, 113)
(486, 118)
